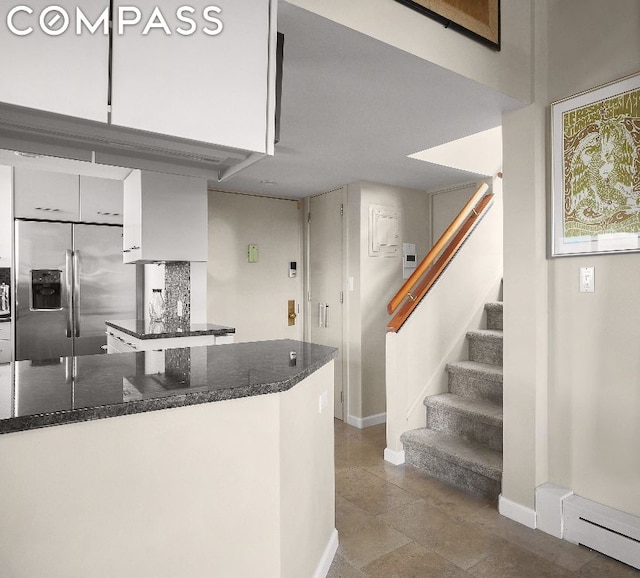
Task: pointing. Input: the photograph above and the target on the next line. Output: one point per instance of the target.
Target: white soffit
(479, 153)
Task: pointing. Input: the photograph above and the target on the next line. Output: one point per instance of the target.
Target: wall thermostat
(409, 259)
(293, 268)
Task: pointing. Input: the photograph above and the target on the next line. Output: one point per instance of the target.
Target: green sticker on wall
(253, 253)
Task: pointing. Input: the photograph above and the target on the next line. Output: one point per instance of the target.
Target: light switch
(587, 280)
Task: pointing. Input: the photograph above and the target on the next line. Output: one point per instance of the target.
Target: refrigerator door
(43, 292)
(105, 288)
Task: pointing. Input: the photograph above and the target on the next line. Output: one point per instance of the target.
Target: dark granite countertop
(147, 330)
(66, 390)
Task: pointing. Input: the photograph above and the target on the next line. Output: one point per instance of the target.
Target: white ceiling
(353, 108)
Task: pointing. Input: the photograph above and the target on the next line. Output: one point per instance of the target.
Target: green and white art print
(596, 170)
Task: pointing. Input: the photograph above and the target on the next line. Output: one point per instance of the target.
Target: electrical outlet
(323, 402)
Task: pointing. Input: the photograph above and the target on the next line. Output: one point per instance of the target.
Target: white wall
(233, 488)
(307, 478)
(166, 493)
(435, 334)
(594, 396)
(252, 297)
(376, 280)
(508, 71)
(571, 395)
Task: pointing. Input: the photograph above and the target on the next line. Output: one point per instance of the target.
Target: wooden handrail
(422, 287)
(407, 288)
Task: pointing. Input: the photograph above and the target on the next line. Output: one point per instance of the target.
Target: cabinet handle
(68, 279)
(51, 210)
(126, 250)
(76, 293)
(134, 248)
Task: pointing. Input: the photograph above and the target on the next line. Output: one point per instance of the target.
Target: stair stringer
(405, 409)
(438, 381)
(462, 441)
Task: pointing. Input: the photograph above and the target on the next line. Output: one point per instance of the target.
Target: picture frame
(479, 20)
(595, 171)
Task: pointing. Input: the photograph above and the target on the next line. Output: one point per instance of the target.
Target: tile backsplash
(177, 287)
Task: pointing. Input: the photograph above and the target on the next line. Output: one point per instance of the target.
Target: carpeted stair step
(476, 380)
(470, 419)
(485, 346)
(494, 315)
(470, 466)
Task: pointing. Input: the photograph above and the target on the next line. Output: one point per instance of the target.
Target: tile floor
(395, 522)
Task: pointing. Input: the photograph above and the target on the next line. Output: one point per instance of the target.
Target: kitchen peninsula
(140, 335)
(234, 477)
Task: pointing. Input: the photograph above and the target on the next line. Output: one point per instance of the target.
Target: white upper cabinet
(60, 72)
(165, 218)
(6, 189)
(202, 76)
(67, 197)
(46, 195)
(101, 200)
(185, 87)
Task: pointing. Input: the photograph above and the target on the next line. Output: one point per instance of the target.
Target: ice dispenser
(46, 289)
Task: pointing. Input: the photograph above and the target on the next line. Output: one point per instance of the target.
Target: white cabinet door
(46, 195)
(64, 73)
(101, 200)
(209, 88)
(132, 203)
(6, 190)
(6, 407)
(165, 218)
(5, 342)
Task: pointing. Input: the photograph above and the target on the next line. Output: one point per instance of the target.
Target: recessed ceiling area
(479, 153)
(354, 108)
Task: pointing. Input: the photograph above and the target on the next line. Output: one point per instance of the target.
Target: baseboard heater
(611, 532)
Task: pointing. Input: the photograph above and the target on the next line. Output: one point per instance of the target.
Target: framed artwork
(595, 170)
(479, 19)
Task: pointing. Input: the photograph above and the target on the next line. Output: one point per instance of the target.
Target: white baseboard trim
(611, 532)
(394, 457)
(363, 422)
(327, 556)
(517, 512)
(549, 503)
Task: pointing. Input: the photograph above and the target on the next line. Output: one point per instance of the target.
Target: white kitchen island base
(235, 488)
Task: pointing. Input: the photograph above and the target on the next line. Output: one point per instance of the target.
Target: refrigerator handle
(76, 293)
(68, 281)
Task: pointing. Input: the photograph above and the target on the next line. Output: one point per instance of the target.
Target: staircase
(462, 443)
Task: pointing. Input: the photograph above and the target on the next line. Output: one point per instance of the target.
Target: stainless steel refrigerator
(70, 279)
